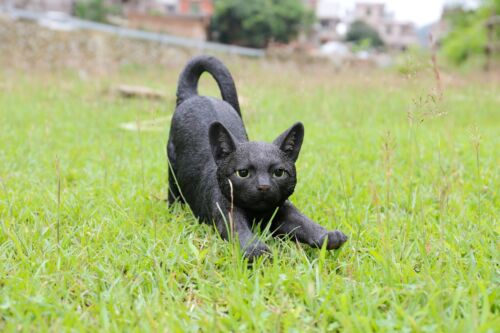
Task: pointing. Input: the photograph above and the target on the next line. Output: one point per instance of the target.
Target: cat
(228, 180)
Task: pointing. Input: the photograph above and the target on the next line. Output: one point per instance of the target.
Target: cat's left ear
(222, 142)
(290, 141)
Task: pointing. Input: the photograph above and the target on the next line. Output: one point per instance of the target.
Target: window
(170, 9)
(406, 30)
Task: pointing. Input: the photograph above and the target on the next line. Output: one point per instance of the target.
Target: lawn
(410, 176)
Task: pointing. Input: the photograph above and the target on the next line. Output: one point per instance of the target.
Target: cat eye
(279, 173)
(242, 173)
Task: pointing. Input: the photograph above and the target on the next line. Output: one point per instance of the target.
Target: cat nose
(263, 188)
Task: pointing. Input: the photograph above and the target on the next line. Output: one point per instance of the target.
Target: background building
(191, 18)
(394, 34)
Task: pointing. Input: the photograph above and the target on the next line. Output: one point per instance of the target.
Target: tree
(361, 33)
(255, 23)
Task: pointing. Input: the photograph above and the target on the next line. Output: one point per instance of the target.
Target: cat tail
(188, 80)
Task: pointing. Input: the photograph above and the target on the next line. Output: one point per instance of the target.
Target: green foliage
(468, 32)
(362, 34)
(94, 10)
(255, 23)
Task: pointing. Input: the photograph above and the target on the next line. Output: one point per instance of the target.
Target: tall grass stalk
(6, 193)
(388, 147)
(141, 153)
(58, 222)
(476, 144)
(344, 192)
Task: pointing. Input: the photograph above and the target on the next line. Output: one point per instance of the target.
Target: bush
(94, 10)
(362, 34)
(468, 35)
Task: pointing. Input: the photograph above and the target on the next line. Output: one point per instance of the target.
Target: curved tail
(188, 80)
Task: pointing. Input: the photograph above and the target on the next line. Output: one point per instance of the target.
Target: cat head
(262, 174)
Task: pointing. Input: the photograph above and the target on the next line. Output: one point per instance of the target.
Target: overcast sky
(420, 12)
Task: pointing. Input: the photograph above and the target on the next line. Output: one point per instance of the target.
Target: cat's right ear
(290, 141)
(221, 141)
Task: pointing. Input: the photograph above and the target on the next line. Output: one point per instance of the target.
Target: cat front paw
(335, 239)
(255, 250)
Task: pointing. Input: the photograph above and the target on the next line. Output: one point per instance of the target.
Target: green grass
(419, 201)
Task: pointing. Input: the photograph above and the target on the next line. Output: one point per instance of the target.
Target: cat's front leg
(290, 221)
(239, 225)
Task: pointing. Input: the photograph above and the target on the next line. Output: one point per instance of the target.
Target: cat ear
(291, 141)
(221, 141)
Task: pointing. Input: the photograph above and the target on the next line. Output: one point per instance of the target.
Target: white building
(395, 34)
